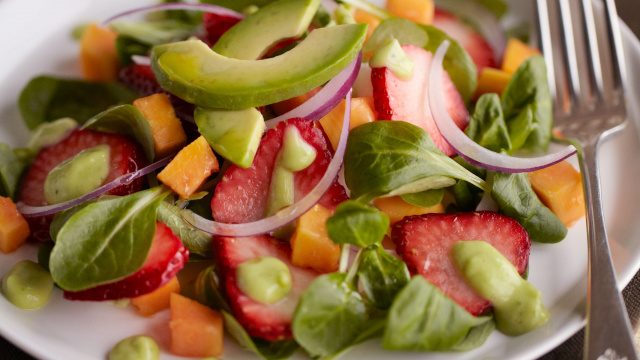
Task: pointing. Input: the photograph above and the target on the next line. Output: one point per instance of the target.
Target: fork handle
(608, 330)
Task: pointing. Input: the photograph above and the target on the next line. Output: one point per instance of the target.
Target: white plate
(35, 40)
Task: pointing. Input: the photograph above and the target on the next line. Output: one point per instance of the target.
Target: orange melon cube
(311, 246)
(167, 131)
(515, 54)
(98, 56)
(559, 187)
(420, 11)
(196, 330)
(14, 229)
(157, 300)
(363, 17)
(397, 209)
(190, 168)
(492, 81)
(285, 106)
(361, 113)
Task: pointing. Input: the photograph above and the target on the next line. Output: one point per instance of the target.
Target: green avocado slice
(197, 74)
(251, 37)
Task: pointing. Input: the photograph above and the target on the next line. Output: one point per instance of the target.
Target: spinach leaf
(237, 5)
(476, 337)
(51, 133)
(457, 61)
(497, 7)
(126, 47)
(207, 289)
(154, 32)
(425, 198)
(126, 120)
(423, 318)
(527, 102)
(105, 241)
(47, 98)
(384, 156)
(11, 169)
(487, 126)
(330, 316)
(264, 349)
(60, 218)
(381, 276)
(198, 242)
(357, 224)
(516, 198)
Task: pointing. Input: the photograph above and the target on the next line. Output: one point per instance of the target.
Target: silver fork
(586, 75)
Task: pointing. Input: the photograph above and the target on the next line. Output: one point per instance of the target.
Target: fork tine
(615, 44)
(546, 45)
(569, 51)
(593, 52)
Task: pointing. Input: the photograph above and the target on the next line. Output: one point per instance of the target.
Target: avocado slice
(192, 71)
(252, 37)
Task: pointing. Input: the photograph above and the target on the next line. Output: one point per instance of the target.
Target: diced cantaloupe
(167, 131)
(157, 300)
(559, 187)
(492, 81)
(363, 17)
(196, 330)
(190, 168)
(285, 106)
(420, 11)
(14, 229)
(515, 54)
(311, 246)
(98, 56)
(397, 209)
(361, 113)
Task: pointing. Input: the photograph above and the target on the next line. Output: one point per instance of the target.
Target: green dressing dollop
(517, 304)
(77, 176)
(135, 348)
(392, 56)
(27, 285)
(264, 279)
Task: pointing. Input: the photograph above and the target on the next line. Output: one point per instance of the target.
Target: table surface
(629, 10)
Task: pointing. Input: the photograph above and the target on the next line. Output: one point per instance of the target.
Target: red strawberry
(477, 47)
(424, 242)
(216, 25)
(139, 78)
(166, 257)
(241, 195)
(125, 157)
(397, 99)
(269, 322)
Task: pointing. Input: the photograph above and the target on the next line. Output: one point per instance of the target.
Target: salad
(293, 174)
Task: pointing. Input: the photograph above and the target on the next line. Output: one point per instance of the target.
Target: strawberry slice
(477, 47)
(241, 194)
(397, 99)
(269, 322)
(216, 25)
(166, 257)
(125, 157)
(424, 242)
(139, 78)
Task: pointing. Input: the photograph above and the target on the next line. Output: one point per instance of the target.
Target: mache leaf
(264, 349)
(198, 242)
(357, 224)
(381, 276)
(11, 169)
(487, 126)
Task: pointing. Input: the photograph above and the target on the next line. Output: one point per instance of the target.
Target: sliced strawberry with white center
(407, 100)
(424, 242)
(270, 322)
(166, 257)
(241, 195)
(477, 47)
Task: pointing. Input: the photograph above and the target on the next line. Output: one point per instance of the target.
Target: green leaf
(528, 95)
(357, 224)
(423, 318)
(384, 156)
(237, 5)
(425, 198)
(516, 198)
(105, 241)
(476, 337)
(487, 126)
(264, 349)
(126, 120)
(126, 47)
(47, 98)
(154, 32)
(497, 7)
(330, 316)
(198, 242)
(381, 276)
(208, 289)
(61, 218)
(11, 169)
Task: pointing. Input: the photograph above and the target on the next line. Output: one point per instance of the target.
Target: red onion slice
(486, 22)
(208, 8)
(469, 149)
(324, 100)
(287, 214)
(330, 6)
(36, 211)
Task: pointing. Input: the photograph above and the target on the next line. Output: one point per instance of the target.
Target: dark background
(629, 11)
